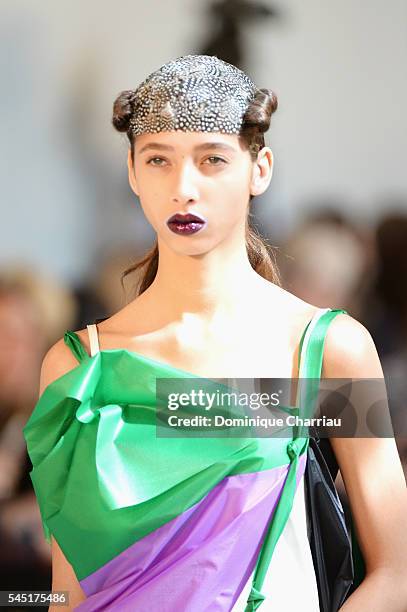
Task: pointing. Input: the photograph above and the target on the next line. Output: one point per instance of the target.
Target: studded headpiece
(198, 93)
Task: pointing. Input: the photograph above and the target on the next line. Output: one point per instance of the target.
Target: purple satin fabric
(200, 560)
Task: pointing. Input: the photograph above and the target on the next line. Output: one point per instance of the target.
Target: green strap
(310, 360)
(276, 526)
(315, 349)
(72, 340)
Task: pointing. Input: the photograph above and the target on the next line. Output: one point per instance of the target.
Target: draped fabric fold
(134, 512)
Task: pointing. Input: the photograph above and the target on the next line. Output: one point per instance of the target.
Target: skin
(198, 316)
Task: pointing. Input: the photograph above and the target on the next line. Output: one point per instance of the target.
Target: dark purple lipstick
(186, 224)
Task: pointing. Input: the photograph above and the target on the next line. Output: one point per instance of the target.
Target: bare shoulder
(349, 350)
(289, 307)
(139, 313)
(59, 360)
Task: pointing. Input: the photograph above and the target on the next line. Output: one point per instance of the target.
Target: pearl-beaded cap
(198, 93)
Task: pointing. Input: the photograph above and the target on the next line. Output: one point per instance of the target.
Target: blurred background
(72, 225)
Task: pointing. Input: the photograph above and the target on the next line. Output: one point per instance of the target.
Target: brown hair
(256, 121)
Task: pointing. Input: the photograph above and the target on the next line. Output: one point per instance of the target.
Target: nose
(185, 186)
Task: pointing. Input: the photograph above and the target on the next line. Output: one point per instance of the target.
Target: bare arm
(373, 478)
(64, 579)
(58, 361)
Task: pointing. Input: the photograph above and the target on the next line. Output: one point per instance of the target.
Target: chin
(190, 246)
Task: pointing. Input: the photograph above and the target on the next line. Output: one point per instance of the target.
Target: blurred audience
(34, 311)
(327, 262)
(103, 294)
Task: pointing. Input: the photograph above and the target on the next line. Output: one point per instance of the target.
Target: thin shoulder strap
(311, 355)
(72, 340)
(93, 339)
(312, 342)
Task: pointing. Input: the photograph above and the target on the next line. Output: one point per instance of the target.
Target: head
(196, 134)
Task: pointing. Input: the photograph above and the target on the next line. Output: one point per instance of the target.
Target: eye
(154, 159)
(216, 159)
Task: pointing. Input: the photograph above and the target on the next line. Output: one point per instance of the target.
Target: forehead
(180, 141)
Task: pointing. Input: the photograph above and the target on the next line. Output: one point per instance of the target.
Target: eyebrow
(202, 147)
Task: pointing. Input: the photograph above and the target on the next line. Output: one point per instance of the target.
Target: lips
(186, 224)
(188, 218)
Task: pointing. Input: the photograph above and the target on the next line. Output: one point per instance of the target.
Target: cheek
(237, 182)
(151, 201)
(233, 193)
(150, 212)
(229, 209)
(232, 211)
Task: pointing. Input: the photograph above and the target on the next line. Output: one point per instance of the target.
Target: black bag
(330, 543)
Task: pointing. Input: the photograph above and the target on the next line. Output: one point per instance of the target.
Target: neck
(218, 282)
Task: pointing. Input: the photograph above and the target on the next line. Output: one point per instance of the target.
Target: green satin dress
(164, 524)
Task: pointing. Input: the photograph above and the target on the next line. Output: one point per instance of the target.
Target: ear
(262, 171)
(132, 178)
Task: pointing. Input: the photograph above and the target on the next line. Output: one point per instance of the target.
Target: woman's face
(207, 174)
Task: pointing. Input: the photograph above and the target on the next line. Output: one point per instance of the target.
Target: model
(139, 521)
